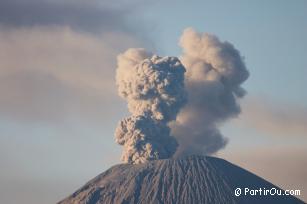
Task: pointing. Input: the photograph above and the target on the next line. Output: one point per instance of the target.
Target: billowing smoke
(154, 89)
(155, 92)
(215, 71)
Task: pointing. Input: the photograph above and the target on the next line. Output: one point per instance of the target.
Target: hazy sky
(58, 100)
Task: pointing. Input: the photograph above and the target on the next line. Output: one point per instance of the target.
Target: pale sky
(58, 100)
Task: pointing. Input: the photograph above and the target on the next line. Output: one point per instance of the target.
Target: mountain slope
(195, 179)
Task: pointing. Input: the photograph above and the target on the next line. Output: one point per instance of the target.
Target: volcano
(190, 180)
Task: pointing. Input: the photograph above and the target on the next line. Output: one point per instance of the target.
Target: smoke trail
(215, 71)
(154, 89)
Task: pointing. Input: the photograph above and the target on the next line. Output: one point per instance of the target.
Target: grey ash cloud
(84, 15)
(153, 86)
(215, 72)
(155, 89)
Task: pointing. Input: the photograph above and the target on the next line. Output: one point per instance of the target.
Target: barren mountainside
(195, 179)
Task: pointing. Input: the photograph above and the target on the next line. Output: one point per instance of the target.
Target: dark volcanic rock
(195, 179)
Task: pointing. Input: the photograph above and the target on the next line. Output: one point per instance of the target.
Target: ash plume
(215, 72)
(155, 92)
(154, 89)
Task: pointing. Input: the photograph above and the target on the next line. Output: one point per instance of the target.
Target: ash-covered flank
(194, 179)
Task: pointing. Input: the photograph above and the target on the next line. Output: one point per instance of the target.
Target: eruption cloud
(157, 88)
(154, 89)
(215, 72)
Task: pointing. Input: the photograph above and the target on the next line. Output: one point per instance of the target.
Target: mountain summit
(194, 179)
